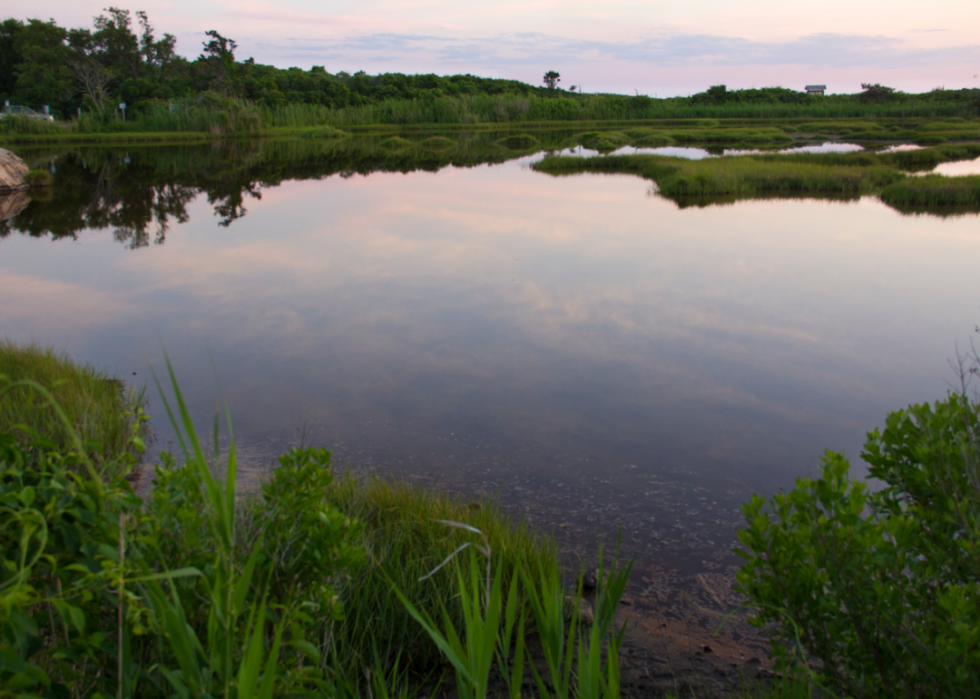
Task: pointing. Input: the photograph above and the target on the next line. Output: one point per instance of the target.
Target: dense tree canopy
(115, 61)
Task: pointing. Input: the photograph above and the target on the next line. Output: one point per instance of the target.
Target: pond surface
(587, 351)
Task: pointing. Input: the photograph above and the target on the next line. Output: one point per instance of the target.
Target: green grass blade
(245, 579)
(251, 664)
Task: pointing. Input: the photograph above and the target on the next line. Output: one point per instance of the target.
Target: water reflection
(139, 193)
(958, 169)
(598, 358)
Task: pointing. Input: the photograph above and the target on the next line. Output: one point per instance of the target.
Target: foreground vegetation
(320, 587)
(309, 587)
(882, 588)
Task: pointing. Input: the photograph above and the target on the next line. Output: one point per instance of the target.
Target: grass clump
(928, 158)
(934, 191)
(99, 408)
(38, 178)
(518, 142)
(603, 141)
(404, 541)
(740, 176)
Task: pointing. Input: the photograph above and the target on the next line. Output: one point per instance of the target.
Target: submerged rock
(13, 170)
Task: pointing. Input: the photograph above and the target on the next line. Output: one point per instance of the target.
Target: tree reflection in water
(139, 192)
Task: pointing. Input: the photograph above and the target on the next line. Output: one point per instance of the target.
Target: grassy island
(845, 175)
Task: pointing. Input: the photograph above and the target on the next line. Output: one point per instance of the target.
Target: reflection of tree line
(139, 192)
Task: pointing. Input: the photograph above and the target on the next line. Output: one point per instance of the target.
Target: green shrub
(882, 587)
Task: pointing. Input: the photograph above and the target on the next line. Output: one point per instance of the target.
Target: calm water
(596, 356)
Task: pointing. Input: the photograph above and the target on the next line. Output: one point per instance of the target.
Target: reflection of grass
(396, 143)
(521, 141)
(438, 143)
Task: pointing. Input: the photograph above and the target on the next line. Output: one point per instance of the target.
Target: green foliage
(405, 541)
(567, 647)
(307, 539)
(62, 528)
(882, 587)
(101, 412)
(199, 592)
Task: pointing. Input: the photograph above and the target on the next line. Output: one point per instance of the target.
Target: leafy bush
(883, 588)
(101, 595)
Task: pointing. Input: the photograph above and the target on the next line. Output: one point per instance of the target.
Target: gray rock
(12, 172)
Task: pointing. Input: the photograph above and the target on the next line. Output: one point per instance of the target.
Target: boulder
(13, 170)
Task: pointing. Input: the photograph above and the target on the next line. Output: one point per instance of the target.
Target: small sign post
(122, 106)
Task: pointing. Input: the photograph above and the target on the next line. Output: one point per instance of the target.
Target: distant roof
(816, 87)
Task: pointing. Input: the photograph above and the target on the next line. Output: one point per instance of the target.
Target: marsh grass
(738, 176)
(99, 407)
(928, 158)
(961, 193)
(848, 175)
(405, 540)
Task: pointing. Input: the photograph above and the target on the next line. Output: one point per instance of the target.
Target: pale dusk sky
(653, 47)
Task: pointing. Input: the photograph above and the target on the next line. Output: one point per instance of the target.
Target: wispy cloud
(666, 49)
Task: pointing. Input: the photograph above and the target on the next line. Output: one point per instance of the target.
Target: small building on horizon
(816, 89)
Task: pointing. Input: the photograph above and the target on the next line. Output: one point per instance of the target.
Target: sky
(650, 47)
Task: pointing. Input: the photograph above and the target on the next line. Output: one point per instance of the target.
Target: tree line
(122, 58)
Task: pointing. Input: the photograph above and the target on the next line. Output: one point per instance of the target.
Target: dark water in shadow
(598, 358)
